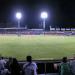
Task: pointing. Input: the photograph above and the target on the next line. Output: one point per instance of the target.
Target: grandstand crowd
(13, 67)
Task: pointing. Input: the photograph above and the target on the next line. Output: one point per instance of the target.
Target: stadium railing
(45, 67)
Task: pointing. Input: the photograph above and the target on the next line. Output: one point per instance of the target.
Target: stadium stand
(36, 31)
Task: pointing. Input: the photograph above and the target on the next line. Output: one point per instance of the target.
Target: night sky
(61, 12)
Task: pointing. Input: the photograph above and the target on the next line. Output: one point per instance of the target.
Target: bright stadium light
(18, 16)
(44, 16)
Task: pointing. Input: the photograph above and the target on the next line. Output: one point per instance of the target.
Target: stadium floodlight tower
(18, 16)
(44, 16)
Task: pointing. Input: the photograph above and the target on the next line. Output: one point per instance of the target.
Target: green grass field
(39, 46)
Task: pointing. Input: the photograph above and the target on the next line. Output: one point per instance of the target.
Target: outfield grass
(39, 46)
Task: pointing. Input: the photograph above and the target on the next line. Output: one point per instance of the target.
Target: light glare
(44, 15)
(18, 15)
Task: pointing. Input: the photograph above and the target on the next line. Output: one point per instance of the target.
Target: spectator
(15, 67)
(8, 64)
(30, 68)
(1, 67)
(3, 61)
(3, 70)
(65, 67)
(72, 63)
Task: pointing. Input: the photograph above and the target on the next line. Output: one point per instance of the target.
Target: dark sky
(61, 12)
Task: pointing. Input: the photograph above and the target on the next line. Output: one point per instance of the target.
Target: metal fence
(46, 67)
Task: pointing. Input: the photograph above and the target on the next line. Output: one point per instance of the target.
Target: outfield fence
(36, 31)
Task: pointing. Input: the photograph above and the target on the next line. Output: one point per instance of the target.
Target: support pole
(19, 28)
(44, 24)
